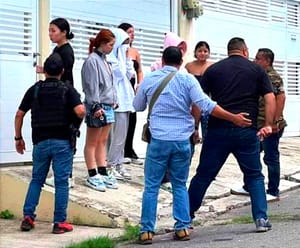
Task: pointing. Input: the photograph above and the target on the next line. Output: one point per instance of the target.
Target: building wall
(24, 42)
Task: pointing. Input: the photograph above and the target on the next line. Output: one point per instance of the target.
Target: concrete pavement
(123, 205)
(219, 233)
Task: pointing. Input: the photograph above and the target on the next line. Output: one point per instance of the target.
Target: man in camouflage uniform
(270, 144)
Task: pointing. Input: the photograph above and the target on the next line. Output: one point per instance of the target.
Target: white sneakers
(50, 182)
(136, 161)
(238, 191)
(272, 198)
(126, 160)
(116, 173)
(100, 182)
(96, 183)
(242, 191)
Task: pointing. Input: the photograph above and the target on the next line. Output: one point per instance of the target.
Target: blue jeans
(270, 146)
(61, 155)
(174, 157)
(243, 143)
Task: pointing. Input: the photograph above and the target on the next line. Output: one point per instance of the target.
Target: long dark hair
(63, 25)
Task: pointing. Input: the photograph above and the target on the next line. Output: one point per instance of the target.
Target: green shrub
(6, 214)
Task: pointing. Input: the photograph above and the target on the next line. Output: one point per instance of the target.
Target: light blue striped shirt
(171, 117)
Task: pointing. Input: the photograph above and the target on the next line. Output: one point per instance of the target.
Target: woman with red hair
(100, 100)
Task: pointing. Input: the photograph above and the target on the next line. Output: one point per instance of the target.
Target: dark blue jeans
(61, 155)
(270, 147)
(243, 143)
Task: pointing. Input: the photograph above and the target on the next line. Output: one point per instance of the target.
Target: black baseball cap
(53, 65)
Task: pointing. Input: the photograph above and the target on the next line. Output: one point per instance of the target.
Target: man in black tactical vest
(53, 105)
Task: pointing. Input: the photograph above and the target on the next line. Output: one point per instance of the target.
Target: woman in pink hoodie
(171, 39)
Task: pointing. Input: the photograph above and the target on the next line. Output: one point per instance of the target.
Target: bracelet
(196, 127)
(279, 120)
(18, 138)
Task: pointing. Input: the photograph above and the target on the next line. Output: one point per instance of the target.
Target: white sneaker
(272, 198)
(96, 183)
(126, 160)
(50, 182)
(137, 161)
(113, 172)
(239, 191)
(121, 169)
(110, 181)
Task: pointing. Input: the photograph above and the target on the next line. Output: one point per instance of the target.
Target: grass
(100, 242)
(273, 218)
(131, 234)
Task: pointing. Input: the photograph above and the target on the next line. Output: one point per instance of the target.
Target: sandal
(182, 235)
(146, 238)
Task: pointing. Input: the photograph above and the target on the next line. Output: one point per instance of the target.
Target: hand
(241, 120)
(196, 137)
(275, 128)
(20, 146)
(99, 113)
(264, 132)
(39, 69)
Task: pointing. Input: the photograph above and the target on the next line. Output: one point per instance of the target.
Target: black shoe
(27, 224)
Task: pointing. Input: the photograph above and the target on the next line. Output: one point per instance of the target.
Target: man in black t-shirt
(52, 104)
(236, 84)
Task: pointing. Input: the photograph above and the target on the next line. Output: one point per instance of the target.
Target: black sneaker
(263, 225)
(27, 224)
(62, 227)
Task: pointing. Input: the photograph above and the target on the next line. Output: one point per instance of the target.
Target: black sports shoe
(27, 224)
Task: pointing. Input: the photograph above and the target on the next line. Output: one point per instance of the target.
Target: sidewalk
(124, 204)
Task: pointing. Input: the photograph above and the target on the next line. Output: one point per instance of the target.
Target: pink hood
(171, 39)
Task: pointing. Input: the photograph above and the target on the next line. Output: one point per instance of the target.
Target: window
(293, 14)
(149, 42)
(16, 32)
(250, 9)
(293, 84)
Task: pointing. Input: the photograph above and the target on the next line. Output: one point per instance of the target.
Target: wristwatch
(18, 138)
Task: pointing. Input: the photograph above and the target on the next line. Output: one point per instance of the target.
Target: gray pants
(117, 139)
